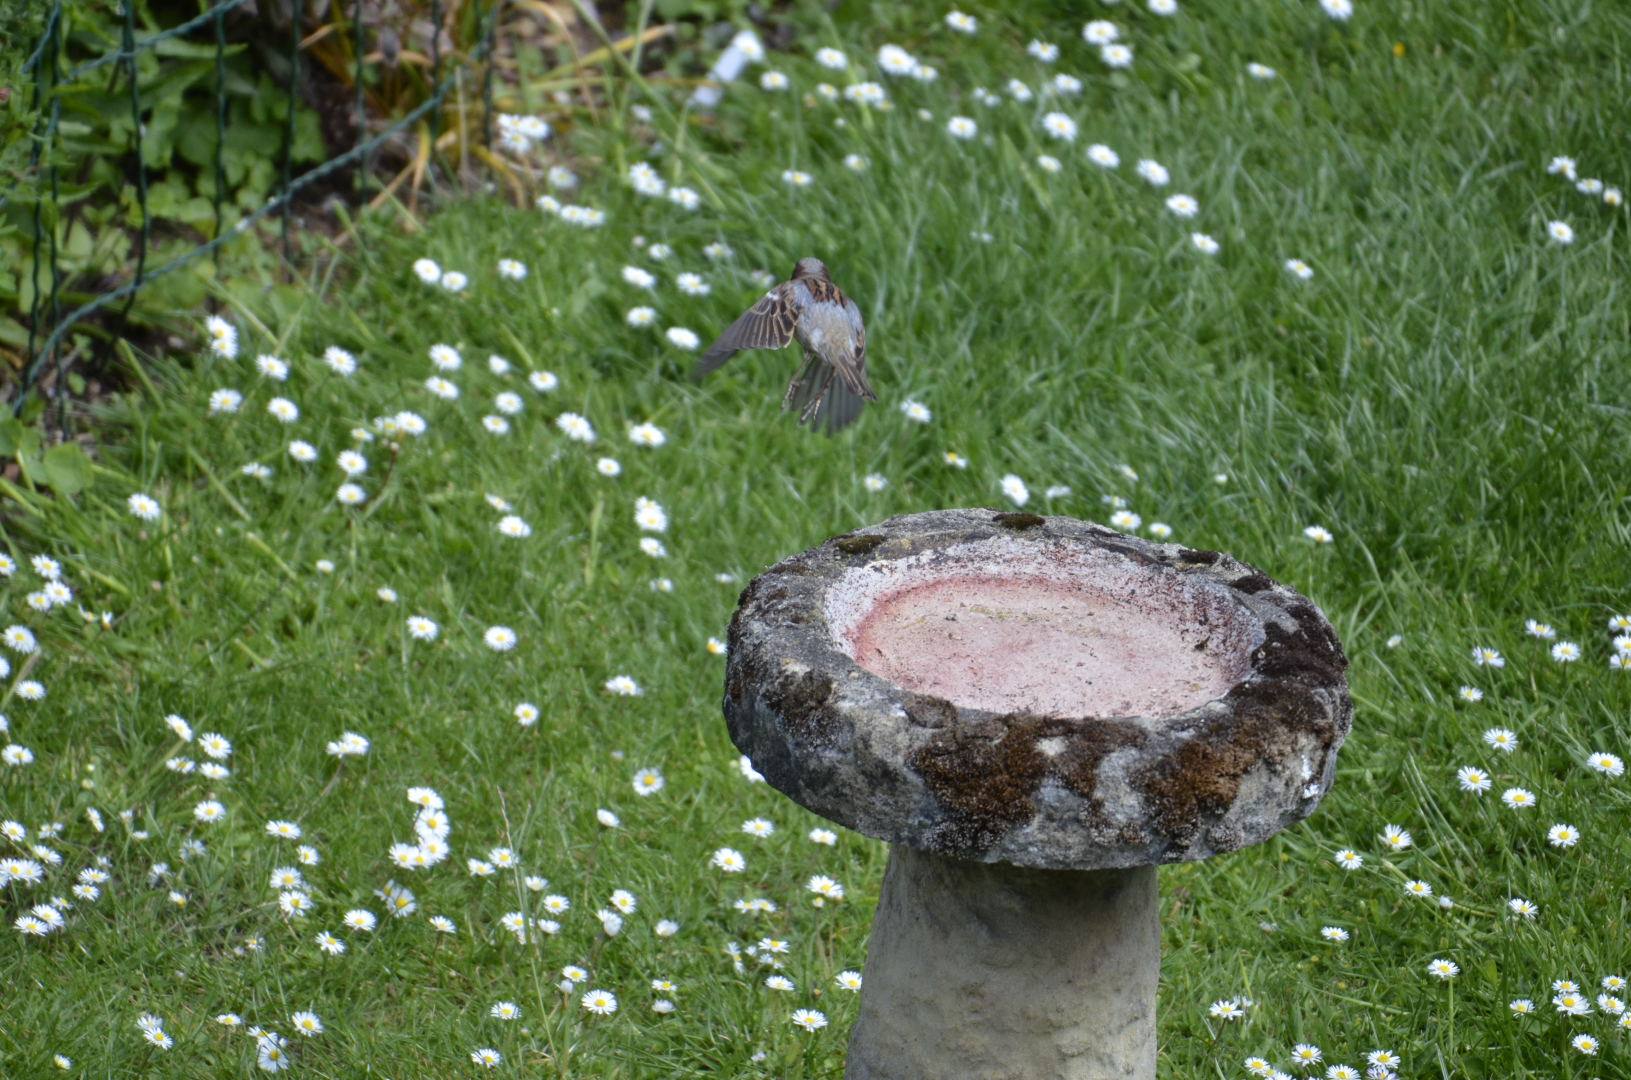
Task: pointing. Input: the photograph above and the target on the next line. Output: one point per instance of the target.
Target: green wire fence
(46, 66)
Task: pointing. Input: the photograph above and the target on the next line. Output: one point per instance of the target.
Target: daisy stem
(1452, 1020)
(594, 540)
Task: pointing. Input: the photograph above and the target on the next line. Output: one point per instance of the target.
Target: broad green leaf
(11, 435)
(67, 469)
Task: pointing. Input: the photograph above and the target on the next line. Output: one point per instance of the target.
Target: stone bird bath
(1035, 713)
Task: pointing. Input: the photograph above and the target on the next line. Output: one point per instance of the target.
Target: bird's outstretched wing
(769, 324)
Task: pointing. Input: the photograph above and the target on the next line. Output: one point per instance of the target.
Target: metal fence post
(137, 133)
(288, 128)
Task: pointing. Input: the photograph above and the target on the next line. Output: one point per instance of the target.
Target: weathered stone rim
(1108, 791)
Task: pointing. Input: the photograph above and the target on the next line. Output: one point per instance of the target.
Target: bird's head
(810, 267)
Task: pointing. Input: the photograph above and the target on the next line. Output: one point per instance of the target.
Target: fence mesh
(45, 66)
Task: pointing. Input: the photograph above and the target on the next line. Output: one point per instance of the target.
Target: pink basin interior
(1051, 631)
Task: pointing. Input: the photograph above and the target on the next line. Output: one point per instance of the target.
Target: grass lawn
(1445, 394)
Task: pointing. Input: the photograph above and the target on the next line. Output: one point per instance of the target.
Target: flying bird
(830, 384)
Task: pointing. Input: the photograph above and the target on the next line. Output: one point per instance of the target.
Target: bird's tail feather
(821, 398)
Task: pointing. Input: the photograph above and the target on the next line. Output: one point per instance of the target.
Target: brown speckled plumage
(830, 385)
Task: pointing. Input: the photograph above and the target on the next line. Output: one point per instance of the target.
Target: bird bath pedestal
(1035, 712)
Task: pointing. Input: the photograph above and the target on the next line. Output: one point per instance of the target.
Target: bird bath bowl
(1035, 712)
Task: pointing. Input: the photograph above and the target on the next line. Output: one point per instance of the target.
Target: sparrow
(830, 384)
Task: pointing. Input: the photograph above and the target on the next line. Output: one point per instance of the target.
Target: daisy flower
(1184, 206)
(650, 516)
(729, 860)
(339, 361)
(576, 427)
(1103, 156)
(1473, 780)
(600, 1002)
(1571, 1003)
(1518, 799)
(1607, 764)
(1060, 126)
(223, 337)
(895, 60)
(1396, 838)
(647, 435)
(1100, 32)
